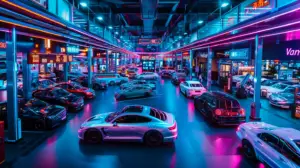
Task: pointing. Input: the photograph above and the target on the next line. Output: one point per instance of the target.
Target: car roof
(145, 109)
(221, 95)
(193, 82)
(287, 133)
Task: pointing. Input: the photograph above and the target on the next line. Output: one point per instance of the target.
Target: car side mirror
(115, 124)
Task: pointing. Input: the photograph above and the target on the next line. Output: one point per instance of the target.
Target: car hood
(53, 109)
(97, 120)
(283, 96)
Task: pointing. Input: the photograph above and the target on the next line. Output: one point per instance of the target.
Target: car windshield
(181, 75)
(267, 83)
(60, 92)
(279, 86)
(297, 142)
(111, 116)
(77, 86)
(195, 85)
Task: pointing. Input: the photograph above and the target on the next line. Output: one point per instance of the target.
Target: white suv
(192, 88)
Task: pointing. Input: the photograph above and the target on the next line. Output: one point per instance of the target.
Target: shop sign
(34, 58)
(258, 4)
(292, 52)
(148, 57)
(3, 45)
(238, 53)
(73, 50)
(202, 54)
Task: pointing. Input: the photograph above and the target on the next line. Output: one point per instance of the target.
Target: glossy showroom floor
(199, 144)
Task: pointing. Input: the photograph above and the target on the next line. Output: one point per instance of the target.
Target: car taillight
(89, 93)
(218, 112)
(172, 127)
(242, 112)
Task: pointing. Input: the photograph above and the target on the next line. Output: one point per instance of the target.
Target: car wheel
(112, 83)
(96, 87)
(186, 94)
(248, 150)
(153, 138)
(39, 125)
(93, 136)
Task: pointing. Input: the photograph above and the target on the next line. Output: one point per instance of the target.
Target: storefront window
(281, 3)
(252, 8)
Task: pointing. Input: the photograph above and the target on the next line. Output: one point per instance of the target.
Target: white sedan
(192, 88)
(274, 146)
(147, 75)
(266, 91)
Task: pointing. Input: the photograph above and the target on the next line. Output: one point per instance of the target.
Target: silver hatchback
(133, 92)
(133, 123)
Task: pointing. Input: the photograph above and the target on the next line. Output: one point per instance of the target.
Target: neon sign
(292, 52)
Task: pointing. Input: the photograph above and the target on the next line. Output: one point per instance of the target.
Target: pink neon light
(237, 29)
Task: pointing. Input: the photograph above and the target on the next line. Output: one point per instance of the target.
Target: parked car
(37, 114)
(237, 79)
(134, 91)
(98, 83)
(111, 78)
(266, 91)
(220, 108)
(134, 123)
(283, 99)
(148, 75)
(132, 73)
(60, 96)
(192, 88)
(264, 82)
(74, 75)
(166, 74)
(152, 85)
(77, 89)
(178, 77)
(273, 146)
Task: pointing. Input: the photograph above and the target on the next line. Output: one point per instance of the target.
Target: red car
(76, 88)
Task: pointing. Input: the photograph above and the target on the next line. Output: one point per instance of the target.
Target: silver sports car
(133, 123)
(134, 91)
(152, 85)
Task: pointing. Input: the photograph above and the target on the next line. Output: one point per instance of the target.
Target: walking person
(200, 78)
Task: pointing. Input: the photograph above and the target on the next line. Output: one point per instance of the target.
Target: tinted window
(60, 92)
(279, 86)
(297, 142)
(289, 152)
(229, 103)
(132, 109)
(132, 119)
(271, 140)
(195, 85)
(41, 93)
(290, 90)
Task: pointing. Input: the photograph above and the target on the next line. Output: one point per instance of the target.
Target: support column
(27, 78)
(209, 62)
(191, 64)
(107, 61)
(12, 95)
(115, 57)
(255, 115)
(66, 71)
(90, 73)
(181, 66)
(175, 62)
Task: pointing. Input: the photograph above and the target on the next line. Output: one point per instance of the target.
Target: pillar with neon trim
(209, 66)
(90, 72)
(255, 110)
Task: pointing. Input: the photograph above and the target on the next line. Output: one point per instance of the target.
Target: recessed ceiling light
(200, 21)
(224, 4)
(110, 27)
(100, 18)
(83, 4)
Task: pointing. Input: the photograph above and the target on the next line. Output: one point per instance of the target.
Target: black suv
(220, 108)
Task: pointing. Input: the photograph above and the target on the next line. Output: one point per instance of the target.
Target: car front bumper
(284, 106)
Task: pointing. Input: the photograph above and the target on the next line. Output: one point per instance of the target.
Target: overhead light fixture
(121, 36)
(110, 27)
(224, 4)
(200, 21)
(185, 33)
(116, 32)
(83, 4)
(180, 37)
(100, 18)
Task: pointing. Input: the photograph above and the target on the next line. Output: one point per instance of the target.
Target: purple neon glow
(237, 29)
(292, 52)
